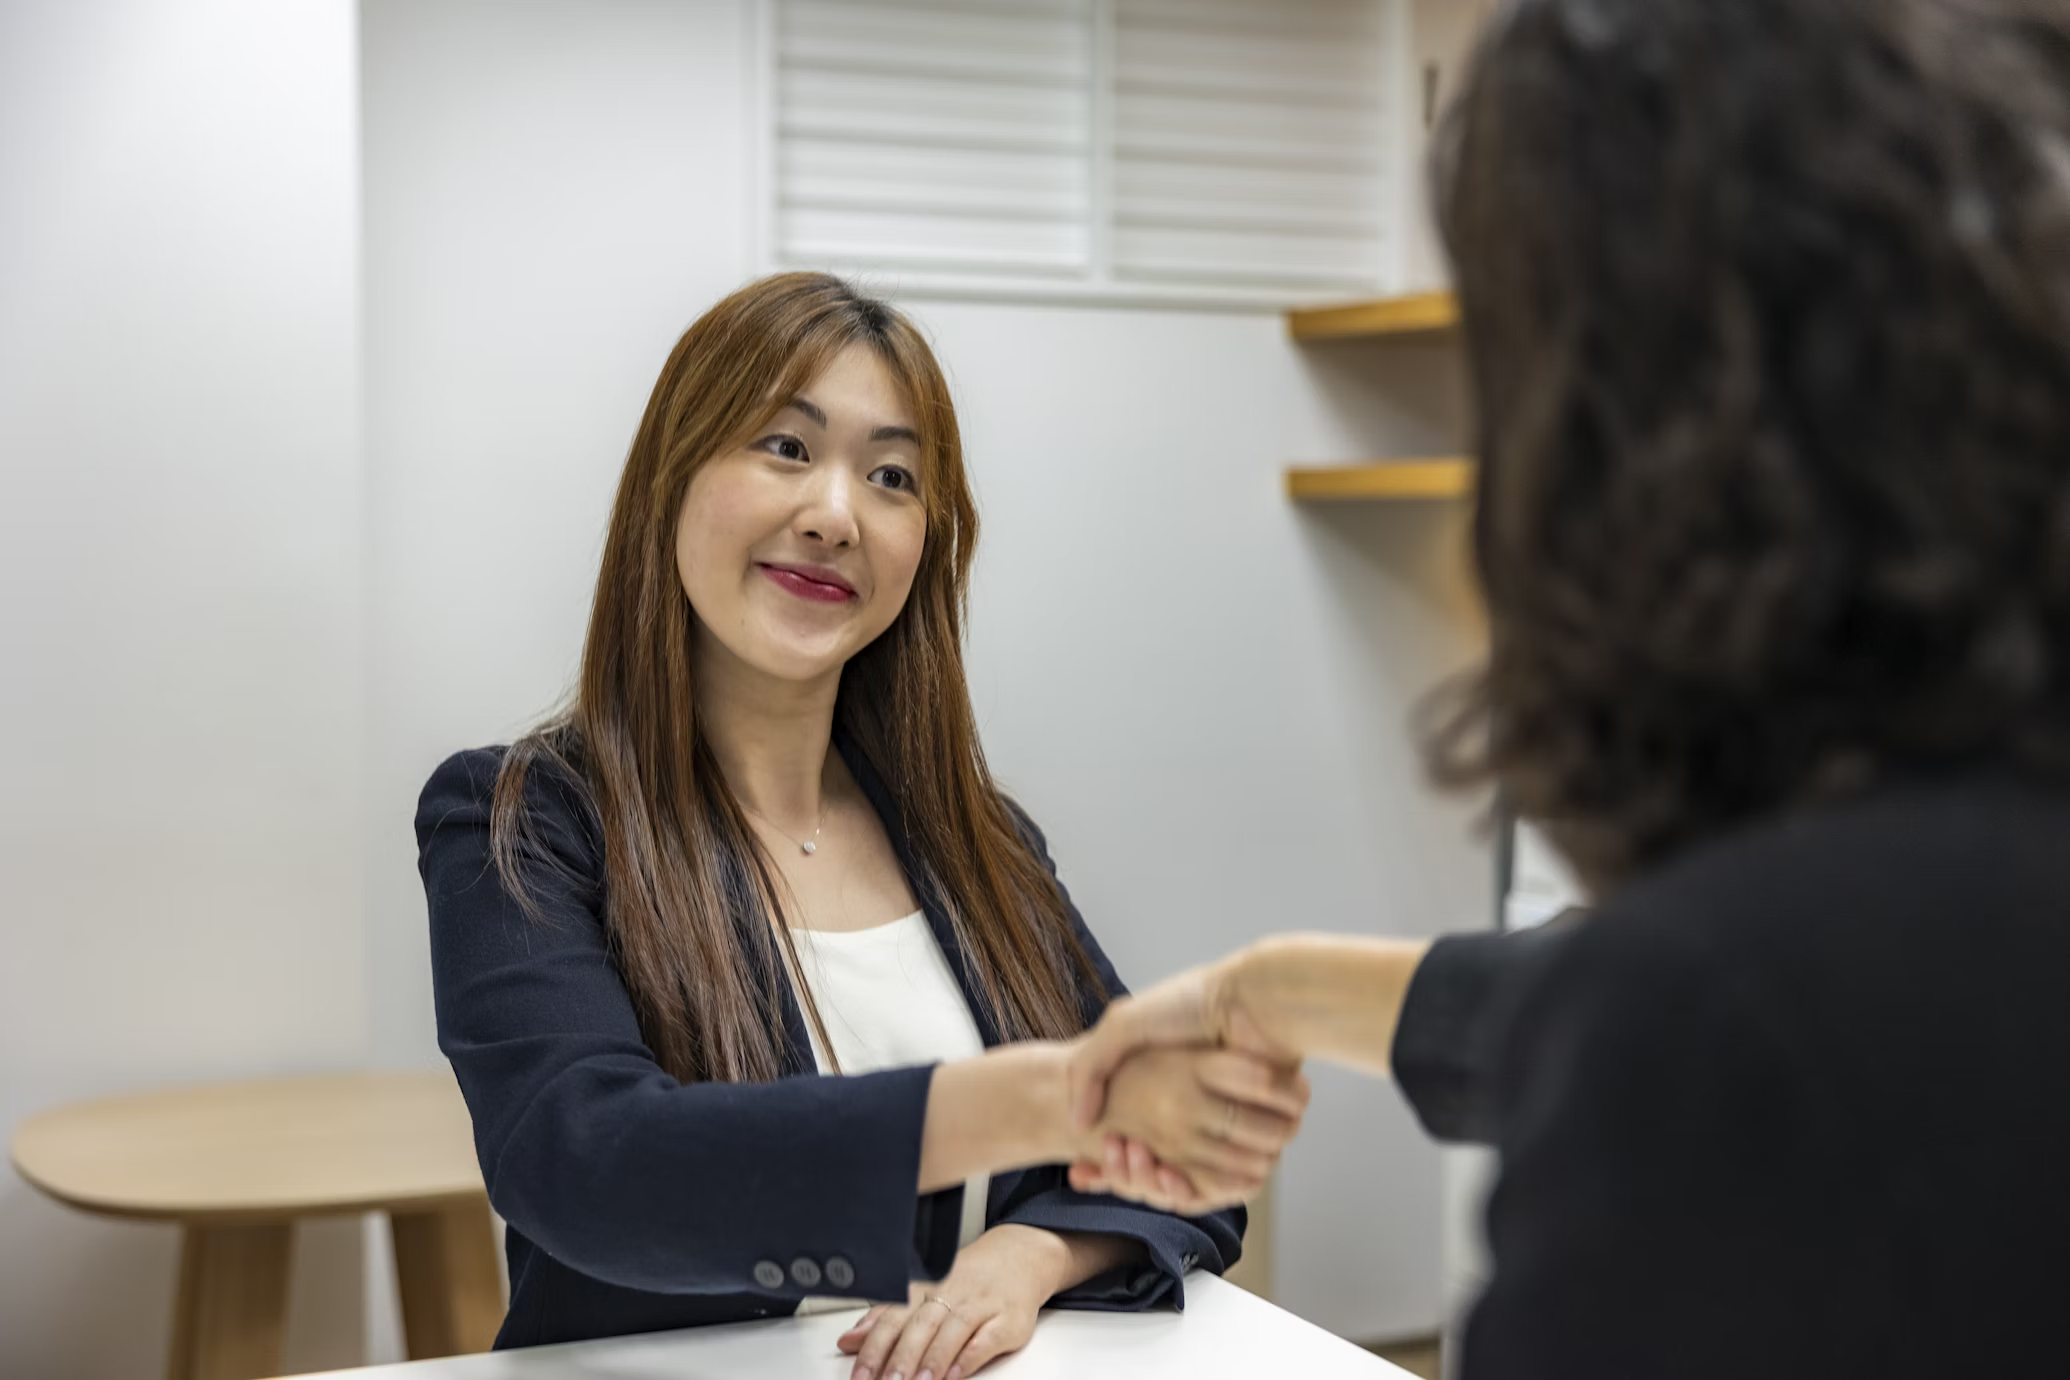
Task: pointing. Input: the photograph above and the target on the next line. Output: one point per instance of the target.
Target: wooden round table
(236, 1164)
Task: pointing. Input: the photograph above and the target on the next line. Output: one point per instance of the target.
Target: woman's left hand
(984, 1309)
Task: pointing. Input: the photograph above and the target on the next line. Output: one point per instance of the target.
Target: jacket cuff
(867, 1232)
(937, 1232)
(1172, 1246)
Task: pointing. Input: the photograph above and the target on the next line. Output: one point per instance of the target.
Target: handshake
(1182, 1097)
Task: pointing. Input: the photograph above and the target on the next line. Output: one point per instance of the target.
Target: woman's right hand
(1216, 1121)
(1200, 1007)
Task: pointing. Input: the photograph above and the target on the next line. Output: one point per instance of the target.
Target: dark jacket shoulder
(1788, 1105)
(558, 834)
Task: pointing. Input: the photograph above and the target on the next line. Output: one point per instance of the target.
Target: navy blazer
(635, 1202)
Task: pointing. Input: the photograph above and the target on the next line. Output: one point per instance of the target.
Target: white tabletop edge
(1224, 1332)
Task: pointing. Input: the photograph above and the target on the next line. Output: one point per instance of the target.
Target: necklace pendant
(809, 847)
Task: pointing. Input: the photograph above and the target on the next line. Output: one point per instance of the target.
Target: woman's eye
(789, 447)
(895, 477)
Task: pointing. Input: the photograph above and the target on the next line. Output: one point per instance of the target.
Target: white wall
(1200, 690)
(179, 610)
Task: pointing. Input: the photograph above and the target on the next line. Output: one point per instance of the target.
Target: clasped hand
(1186, 1102)
(1191, 1130)
(1189, 1100)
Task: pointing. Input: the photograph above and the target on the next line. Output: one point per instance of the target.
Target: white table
(1224, 1334)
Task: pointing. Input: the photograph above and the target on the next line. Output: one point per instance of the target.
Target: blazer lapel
(918, 878)
(753, 929)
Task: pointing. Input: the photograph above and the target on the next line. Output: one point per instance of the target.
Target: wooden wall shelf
(1423, 316)
(1382, 480)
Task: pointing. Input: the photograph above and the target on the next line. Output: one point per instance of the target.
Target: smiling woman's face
(798, 549)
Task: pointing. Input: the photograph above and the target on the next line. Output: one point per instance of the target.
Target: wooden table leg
(452, 1293)
(232, 1303)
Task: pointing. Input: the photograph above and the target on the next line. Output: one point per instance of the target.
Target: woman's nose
(828, 514)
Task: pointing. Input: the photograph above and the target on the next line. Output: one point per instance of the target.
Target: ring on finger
(937, 1298)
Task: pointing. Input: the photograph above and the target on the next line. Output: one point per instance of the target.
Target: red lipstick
(813, 582)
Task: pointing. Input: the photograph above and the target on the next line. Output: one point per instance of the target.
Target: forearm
(1333, 997)
(1087, 1255)
(1007, 1109)
(1062, 1260)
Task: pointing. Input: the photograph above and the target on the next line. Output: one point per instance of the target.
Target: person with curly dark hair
(1767, 304)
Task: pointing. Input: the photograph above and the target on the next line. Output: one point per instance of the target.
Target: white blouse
(889, 1001)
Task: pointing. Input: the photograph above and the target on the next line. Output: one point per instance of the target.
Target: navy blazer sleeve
(1044, 1197)
(593, 1150)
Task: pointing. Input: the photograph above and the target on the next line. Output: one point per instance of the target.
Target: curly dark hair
(1767, 307)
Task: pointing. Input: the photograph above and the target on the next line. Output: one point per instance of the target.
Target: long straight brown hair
(690, 901)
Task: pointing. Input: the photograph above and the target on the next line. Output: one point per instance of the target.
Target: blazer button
(840, 1273)
(769, 1274)
(804, 1272)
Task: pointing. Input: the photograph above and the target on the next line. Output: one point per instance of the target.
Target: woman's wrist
(1007, 1109)
(1088, 1255)
(1259, 987)
(1044, 1102)
(1326, 996)
(1092, 1254)
(1045, 1259)
(1054, 1261)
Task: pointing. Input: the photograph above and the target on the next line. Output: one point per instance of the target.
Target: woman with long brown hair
(762, 845)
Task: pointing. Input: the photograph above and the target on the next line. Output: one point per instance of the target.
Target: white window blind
(952, 135)
(1248, 141)
(1103, 147)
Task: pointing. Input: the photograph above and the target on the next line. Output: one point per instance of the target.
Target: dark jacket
(637, 1203)
(1798, 1106)
(1448, 1042)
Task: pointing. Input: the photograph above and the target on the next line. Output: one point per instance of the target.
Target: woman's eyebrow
(819, 417)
